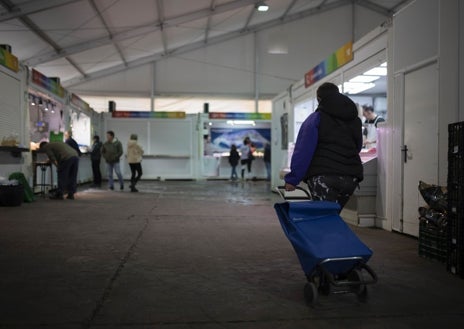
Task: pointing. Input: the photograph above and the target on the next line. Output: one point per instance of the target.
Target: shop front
(221, 131)
(47, 122)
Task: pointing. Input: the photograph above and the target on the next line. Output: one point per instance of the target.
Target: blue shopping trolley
(333, 258)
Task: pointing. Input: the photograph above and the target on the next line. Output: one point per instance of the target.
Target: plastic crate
(455, 172)
(456, 138)
(433, 242)
(11, 195)
(455, 262)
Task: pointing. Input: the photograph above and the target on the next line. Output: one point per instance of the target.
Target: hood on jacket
(339, 106)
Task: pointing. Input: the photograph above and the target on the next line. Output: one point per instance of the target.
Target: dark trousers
(247, 163)
(67, 175)
(332, 188)
(136, 172)
(97, 177)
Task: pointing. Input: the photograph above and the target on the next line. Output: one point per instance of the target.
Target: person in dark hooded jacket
(326, 154)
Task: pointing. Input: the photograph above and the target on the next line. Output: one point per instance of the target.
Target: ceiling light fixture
(379, 70)
(365, 78)
(356, 87)
(241, 122)
(262, 6)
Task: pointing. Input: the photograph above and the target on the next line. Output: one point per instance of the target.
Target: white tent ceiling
(80, 40)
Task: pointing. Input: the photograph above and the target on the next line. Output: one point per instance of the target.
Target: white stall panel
(171, 137)
(10, 106)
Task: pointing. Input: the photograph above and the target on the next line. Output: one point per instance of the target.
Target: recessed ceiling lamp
(262, 6)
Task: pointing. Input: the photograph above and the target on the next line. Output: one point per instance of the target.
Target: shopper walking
(326, 154)
(233, 161)
(112, 152)
(245, 160)
(95, 158)
(66, 160)
(134, 158)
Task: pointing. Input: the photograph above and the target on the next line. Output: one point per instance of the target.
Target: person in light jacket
(134, 158)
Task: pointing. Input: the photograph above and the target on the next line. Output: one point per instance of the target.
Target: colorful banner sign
(9, 60)
(79, 102)
(47, 83)
(336, 60)
(148, 115)
(240, 116)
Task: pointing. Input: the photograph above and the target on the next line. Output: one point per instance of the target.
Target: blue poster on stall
(223, 138)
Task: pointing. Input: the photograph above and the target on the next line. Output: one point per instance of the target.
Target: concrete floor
(196, 255)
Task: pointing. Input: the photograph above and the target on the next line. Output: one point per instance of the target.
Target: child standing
(233, 160)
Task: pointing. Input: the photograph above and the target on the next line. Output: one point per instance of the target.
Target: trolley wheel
(358, 289)
(310, 292)
(362, 295)
(324, 287)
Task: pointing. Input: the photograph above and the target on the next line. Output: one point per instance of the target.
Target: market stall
(222, 130)
(168, 139)
(80, 125)
(47, 122)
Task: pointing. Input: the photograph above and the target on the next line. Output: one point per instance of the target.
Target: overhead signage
(79, 102)
(336, 60)
(240, 115)
(48, 84)
(9, 60)
(148, 115)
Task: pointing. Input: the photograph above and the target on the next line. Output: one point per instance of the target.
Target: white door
(420, 147)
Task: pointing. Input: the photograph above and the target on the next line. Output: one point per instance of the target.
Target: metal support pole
(256, 78)
(153, 87)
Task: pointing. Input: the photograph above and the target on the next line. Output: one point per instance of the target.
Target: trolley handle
(281, 191)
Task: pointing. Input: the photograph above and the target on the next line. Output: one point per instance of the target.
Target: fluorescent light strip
(365, 78)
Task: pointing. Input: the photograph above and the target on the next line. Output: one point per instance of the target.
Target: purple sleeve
(305, 147)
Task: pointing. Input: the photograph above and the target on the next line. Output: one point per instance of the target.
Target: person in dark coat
(95, 158)
(233, 160)
(267, 160)
(72, 142)
(326, 154)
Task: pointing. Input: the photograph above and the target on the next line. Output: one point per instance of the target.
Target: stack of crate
(455, 263)
(433, 242)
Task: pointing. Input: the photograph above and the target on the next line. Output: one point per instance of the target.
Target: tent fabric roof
(78, 40)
